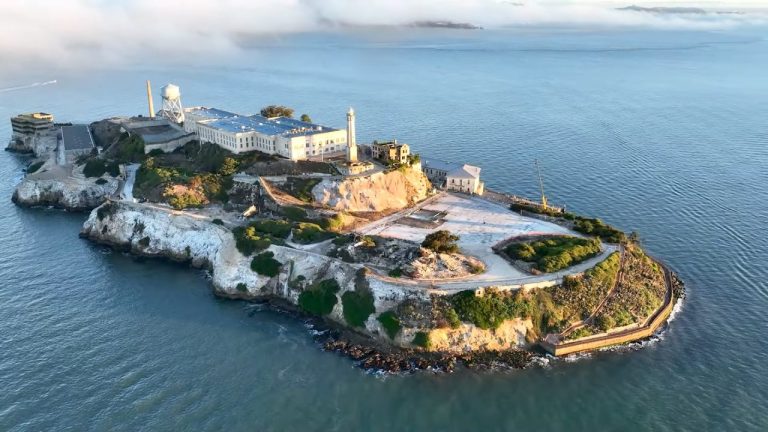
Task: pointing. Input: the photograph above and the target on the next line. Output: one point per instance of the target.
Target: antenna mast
(541, 184)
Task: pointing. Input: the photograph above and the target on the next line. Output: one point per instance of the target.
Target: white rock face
(378, 192)
(69, 193)
(159, 232)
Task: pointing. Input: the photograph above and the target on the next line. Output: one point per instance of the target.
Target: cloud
(74, 33)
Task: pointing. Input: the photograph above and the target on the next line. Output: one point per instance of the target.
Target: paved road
(130, 171)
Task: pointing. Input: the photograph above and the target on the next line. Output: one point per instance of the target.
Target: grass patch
(321, 298)
(390, 322)
(276, 228)
(557, 253)
(301, 187)
(265, 264)
(358, 306)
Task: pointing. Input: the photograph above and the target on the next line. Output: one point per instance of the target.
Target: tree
(276, 111)
(441, 242)
(228, 167)
(306, 118)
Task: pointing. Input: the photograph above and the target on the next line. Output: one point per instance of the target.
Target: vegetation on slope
(390, 322)
(321, 298)
(556, 253)
(640, 292)
(265, 264)
(590, 226)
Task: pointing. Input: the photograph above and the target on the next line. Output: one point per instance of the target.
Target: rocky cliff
(54, 187)
(156, 232)
(377, 192)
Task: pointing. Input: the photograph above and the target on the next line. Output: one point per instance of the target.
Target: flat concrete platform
(76, 137)
(480, 224)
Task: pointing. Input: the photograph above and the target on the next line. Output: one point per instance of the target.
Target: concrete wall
(169, 146)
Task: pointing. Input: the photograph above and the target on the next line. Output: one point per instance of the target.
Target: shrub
(113, 168)
(306, 233)
(332, 223)
(342, 240)
(155, 152)
(441, 242)
(396, 272)
(493, 307)
(265, 264)
(368, 242)
(94, 168)
(321, 298)
(604, 322)
(276, 228)
(228, 167)
(422, 339)
(218, 221)
(358, 306)
(390, 322)
(276, 111)
(34, 167)
(294, 213)
(249, 241)
(453, 318)
(242, 287)
(101, 181)
(144, 241)
(305, 118)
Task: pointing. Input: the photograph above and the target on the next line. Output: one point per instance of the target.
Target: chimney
(149, 99)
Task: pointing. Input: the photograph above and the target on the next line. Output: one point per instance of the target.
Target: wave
(28, 86)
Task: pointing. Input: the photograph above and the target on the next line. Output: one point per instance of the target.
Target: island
(401, 262)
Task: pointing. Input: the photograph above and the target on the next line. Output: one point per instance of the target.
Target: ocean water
(662, 132)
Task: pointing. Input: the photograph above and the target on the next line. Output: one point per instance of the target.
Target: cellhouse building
(287, 137)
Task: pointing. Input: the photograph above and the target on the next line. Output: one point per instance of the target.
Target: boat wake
(28, 86)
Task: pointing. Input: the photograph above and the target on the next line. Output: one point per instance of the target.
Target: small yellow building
(391, 152)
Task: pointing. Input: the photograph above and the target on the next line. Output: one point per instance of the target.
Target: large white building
(452, 176)
(287, 137)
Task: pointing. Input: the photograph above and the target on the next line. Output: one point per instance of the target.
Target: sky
(68, 33)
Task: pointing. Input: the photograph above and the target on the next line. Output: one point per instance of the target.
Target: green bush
(113, 168)
(390, 322)
(242, 287)
(94, 168)
(275, 228)
(306, 233)
(344, 239)
(331, 223)
(101, 181)
(598, 228)
(441, 242)
(422, 339)
(321, 298)
(604, 322)
(396, 272)
(155, 152)
(358, 306)
(453, 318)
(493, 307)
(33, 167)
(295, 214)
(248, 240)
(144, 241)
(265, 264)
(217, 221)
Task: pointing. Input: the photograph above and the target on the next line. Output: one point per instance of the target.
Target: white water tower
(172, 109)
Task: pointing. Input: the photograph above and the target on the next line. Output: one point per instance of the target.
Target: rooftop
(211, 113)
(453, 169)
(277, 126)
(76, 137)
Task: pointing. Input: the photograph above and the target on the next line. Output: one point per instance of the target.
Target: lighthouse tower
(351, 144)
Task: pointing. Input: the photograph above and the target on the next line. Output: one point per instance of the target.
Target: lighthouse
(351, 145)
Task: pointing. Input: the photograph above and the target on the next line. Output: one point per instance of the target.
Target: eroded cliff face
(157, 232)
(68, 193)
(375, 193)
